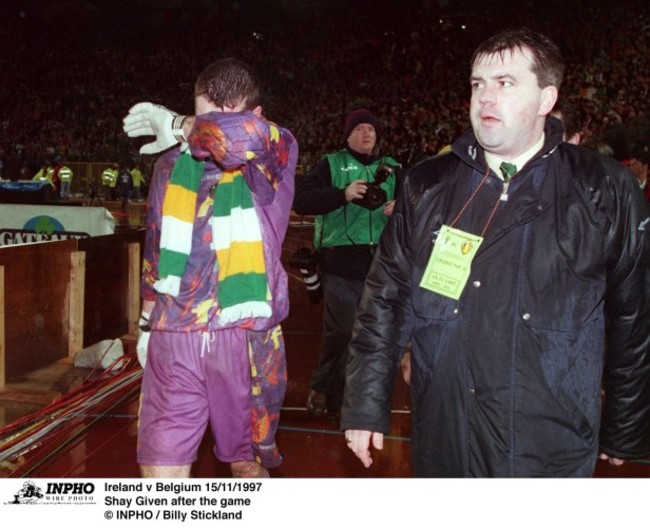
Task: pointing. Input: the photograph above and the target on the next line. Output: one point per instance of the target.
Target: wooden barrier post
(2, 327)
(133, 296)
(76, 291)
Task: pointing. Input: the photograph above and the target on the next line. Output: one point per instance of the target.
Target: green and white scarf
(236, 237)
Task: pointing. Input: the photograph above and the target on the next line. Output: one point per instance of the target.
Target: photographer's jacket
(506, 381)
(344, 231)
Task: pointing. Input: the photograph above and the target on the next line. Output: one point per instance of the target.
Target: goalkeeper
(214, 291)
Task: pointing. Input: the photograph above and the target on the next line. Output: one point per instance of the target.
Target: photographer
(351, 193)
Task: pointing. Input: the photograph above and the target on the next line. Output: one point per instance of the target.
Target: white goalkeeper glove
(144, 332)
(148, 119)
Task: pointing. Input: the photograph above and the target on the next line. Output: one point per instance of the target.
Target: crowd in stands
(64, 93)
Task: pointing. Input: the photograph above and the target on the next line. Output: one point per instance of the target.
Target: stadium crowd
(64, 93)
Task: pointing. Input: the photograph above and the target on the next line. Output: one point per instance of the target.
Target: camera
(376, 196)
(306, 261)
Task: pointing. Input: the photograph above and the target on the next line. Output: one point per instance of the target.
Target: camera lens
(312, 282)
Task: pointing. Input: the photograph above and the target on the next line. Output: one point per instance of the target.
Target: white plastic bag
(102, 354)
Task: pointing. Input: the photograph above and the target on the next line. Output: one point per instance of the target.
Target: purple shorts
(217, 377)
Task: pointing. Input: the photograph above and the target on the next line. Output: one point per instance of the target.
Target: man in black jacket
(351, 192)
(504, 263)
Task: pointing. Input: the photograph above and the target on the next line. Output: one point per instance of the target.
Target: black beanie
(356, 117)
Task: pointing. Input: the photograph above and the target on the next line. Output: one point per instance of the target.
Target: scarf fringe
(245, 310)
(170, 285)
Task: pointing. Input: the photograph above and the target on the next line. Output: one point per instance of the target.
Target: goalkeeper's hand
(144, 332)
(148, 119)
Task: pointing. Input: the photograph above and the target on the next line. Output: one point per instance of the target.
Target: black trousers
(341, 297)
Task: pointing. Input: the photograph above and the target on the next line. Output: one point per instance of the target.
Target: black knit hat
(355, 118)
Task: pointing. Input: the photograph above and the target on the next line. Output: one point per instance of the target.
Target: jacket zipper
(504, 193)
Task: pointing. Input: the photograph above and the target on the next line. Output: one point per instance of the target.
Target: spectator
(124, 185)
(638, 164)
(138, 182)
(65, 176)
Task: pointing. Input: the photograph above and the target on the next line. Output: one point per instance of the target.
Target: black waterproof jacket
(506, 381)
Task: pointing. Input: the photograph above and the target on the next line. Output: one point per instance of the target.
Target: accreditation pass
(450, 263)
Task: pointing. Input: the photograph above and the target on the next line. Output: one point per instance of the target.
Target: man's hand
(359, 442)
(405, 367)
(148, 119)
(612, 460)
(389, 206)
(355, 190)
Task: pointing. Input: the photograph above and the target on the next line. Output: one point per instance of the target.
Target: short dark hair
(640, 152)
(548, 64)
(228, 82)
(572, 115)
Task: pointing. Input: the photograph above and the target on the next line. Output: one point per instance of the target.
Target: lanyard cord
(471, 198)
(494, 210)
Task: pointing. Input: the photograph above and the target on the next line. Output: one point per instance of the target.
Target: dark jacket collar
(468, 149)
(365, 159)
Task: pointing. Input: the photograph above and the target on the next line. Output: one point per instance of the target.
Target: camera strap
(352, 242)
